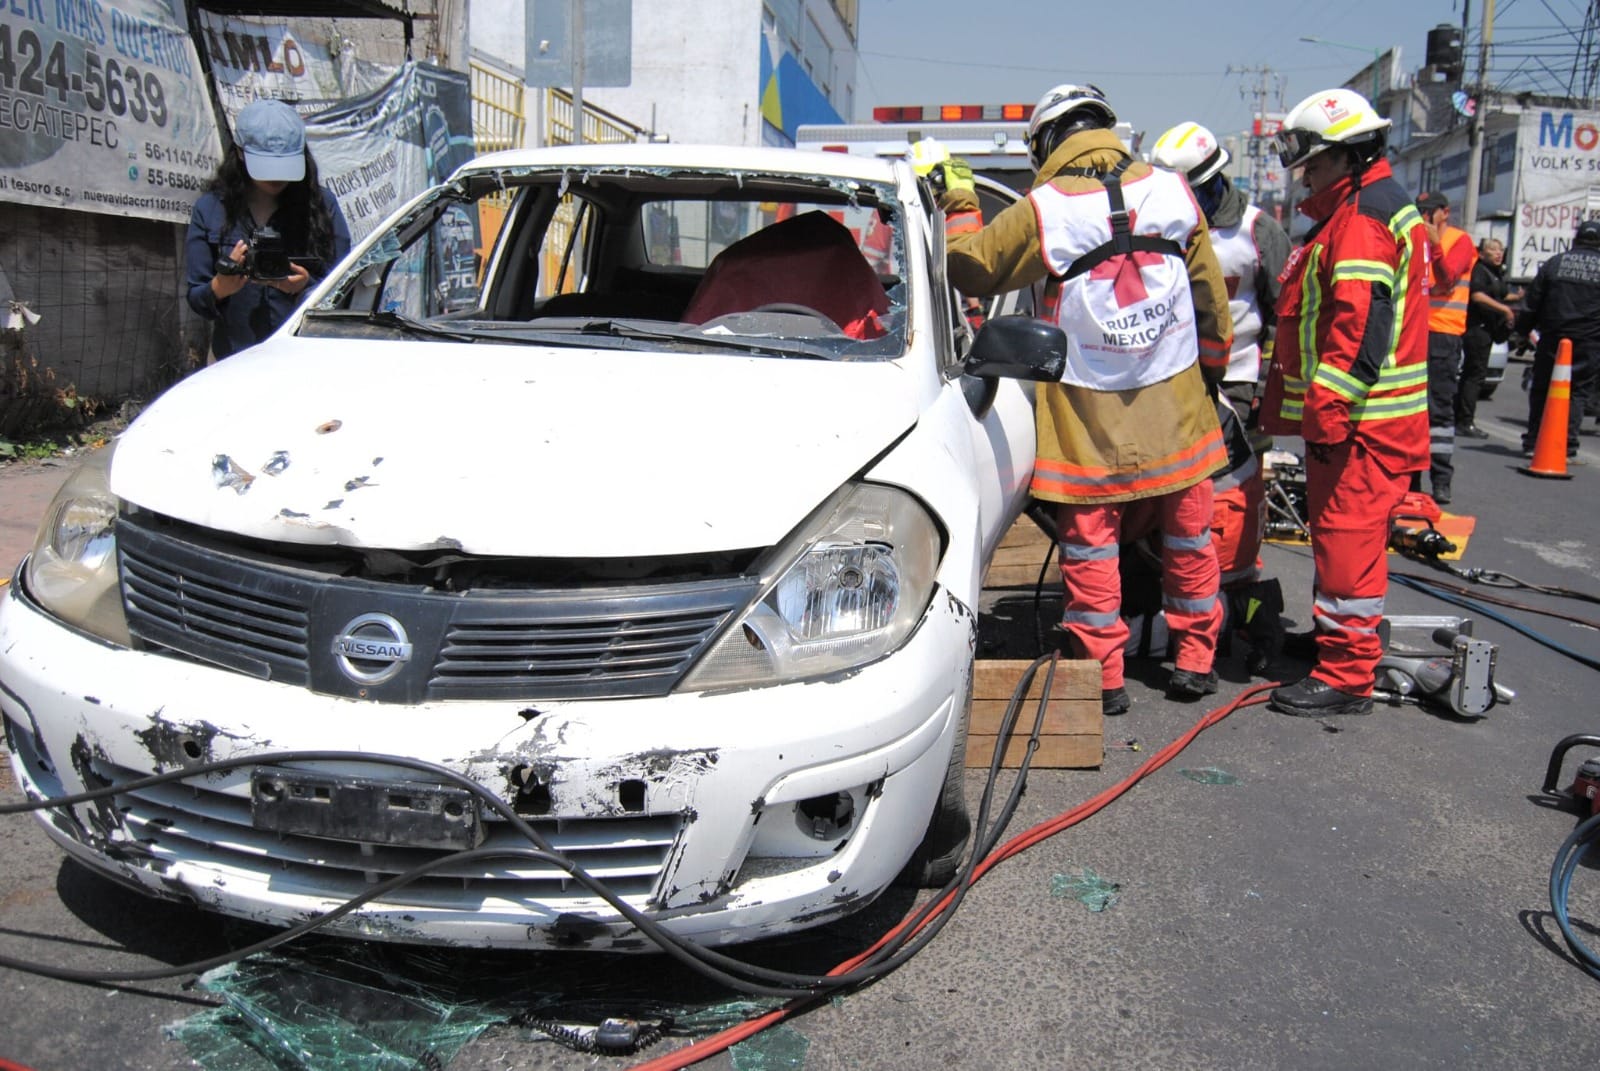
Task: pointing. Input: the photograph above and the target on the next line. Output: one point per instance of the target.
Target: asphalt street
(1286, 893)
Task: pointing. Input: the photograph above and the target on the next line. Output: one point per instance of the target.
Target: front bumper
(700, 809)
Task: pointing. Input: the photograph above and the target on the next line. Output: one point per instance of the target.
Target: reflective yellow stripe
(1390, 408)
(1340, 127)
(1398, 379)
(1371, 271)
(1402, 222)
(1310, 307)
(1402, 225)
(1341, 383)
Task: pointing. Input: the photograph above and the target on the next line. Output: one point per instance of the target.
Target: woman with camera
(1489, 319)
(263, 232)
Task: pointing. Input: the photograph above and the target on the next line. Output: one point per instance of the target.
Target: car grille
(209, 609)
(200, 825)
(187, 593)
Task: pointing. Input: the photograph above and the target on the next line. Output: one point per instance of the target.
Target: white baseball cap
(273, 140)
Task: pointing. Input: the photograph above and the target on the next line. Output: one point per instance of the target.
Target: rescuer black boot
(1186, 684)
(1313, 698)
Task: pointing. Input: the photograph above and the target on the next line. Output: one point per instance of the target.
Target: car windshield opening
(772, 264)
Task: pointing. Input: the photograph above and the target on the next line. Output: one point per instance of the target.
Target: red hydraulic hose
(694, 1052)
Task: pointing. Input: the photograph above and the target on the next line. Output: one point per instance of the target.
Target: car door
(999, 413)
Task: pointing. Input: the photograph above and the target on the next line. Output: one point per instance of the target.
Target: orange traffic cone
(1550, 449)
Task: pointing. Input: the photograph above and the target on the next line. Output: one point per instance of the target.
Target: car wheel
(938, 858)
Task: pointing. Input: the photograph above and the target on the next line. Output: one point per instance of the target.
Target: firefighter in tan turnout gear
(1128, 440)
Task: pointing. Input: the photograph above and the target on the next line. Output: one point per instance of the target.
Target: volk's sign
(1558, 180)
(1560, 153)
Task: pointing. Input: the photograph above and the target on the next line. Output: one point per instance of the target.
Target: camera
(264, 257)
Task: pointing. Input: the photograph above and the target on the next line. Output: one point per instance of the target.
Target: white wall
(695, 64)
(495, 29)
(699, 65)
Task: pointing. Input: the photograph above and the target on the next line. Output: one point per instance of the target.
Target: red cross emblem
(1124, 271)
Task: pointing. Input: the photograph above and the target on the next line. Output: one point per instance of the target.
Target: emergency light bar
(953, 113)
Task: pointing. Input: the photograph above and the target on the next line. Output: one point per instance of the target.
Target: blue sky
(1159, 61)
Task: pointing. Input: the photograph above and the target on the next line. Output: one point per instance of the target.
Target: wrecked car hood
(509, 450)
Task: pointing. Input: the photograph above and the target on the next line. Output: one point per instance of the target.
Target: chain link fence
(93, 315)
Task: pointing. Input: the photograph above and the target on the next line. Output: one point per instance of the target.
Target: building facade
(1538, 175)
(726, 72)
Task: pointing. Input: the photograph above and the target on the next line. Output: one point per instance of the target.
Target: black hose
(1505, 580)
(725, 970)
(1494, 599)
(1428, 587)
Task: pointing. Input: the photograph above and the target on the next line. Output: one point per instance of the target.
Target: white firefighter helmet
(1191, 150)
(926, 154)
(1332, 117)
(1056, 109)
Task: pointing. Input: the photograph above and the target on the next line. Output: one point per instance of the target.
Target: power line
(1211, 73)
(1267, 81)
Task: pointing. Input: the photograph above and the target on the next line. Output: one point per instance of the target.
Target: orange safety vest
(1447, 310)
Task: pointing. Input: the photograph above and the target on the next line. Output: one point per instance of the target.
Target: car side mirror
(1018, 347)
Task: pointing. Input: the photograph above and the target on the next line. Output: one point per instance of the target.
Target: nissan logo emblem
(372, 648)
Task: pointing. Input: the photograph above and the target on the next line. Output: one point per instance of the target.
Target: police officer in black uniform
(1563, 302)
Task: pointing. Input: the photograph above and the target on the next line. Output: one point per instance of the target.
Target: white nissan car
(635, 496)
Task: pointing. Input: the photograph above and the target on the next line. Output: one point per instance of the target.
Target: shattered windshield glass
(768, 264)
(327, 1005)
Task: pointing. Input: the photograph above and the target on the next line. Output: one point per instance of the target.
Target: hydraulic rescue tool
(1411, 530)
(1583, 795)
(1461, 681)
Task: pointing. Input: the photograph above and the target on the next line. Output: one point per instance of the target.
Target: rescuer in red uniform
(1350, 375)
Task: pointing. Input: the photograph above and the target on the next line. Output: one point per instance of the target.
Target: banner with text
(1545, 229)
(256, 57)
(103, 108)
(1559, 154)
(377, 151)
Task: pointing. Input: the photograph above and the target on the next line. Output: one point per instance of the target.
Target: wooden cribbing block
(1072, 734)
(1020, 557)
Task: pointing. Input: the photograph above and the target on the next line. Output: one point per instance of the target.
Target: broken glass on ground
(342, 1006)
(1089, 888)
(777, 1048)
(280, 1012)
(1210, 775)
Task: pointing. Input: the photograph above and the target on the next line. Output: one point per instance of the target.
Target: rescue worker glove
(945, 173)
(953, 176)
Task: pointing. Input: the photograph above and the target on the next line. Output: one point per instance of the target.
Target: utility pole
(1480, 106)
(1258, 138)
(576, 23)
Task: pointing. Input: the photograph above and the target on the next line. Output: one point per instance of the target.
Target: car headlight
(72, 571)
(848, 588)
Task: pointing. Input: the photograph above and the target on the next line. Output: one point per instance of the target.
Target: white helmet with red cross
(1191, 150)
(1332, 117)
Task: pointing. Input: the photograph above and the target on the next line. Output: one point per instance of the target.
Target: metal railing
(599, 125)
(498, 117)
